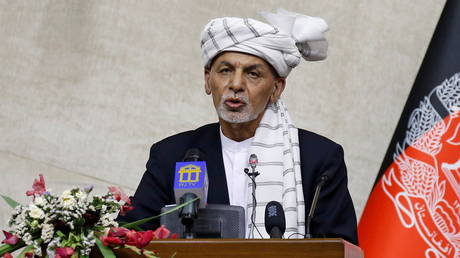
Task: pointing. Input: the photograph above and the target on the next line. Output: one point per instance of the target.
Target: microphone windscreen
(192, 154)
(253, 160)
(191, 176)
(325, 177)
(274, 217)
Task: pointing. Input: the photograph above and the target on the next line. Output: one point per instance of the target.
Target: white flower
(88, 242)
(27, 238)
(35, 212)
(68, 201)
(37, 248)
(39, 201)
(107, 220)
(47, 232)
(81, 195)
(50, 250)
(66, 194)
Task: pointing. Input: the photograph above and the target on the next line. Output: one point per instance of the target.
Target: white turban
(281, 43)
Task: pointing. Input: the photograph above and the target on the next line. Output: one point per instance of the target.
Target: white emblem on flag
(424, 184)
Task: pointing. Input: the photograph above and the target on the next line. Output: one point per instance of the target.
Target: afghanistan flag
(414, 208)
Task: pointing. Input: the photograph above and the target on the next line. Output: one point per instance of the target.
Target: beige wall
(87, 86)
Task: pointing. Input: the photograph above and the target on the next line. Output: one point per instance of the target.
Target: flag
(414, 207)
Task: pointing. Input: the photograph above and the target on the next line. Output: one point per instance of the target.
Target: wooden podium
(266, 248)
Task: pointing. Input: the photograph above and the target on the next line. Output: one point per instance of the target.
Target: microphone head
(192, 154)
(325, 177)
(191, 176)
(274, 217)
(253, 161)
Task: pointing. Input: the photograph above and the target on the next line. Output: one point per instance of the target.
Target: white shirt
(236, 156)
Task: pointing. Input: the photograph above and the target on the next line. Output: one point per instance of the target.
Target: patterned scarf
(276, 144)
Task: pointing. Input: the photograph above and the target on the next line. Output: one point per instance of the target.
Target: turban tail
(282, 43)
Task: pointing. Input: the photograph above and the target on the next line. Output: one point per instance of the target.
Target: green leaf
(25, 250)
(105, 250)
(11, 248)
(134, 249)
(60, 234)
(10, 201)
(131, 225)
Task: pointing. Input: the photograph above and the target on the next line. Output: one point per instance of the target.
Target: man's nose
(237, 83)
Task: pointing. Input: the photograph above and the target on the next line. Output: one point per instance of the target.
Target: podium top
(266, 248)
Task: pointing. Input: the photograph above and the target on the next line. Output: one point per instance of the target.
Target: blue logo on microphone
(189, 174)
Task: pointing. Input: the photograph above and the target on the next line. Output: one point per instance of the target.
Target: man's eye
(224, 70)
(253, 74)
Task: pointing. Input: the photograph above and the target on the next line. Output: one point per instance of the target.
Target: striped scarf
(276, 144)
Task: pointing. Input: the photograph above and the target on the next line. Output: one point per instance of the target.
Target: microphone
(252, 163)
(252, 175)
(192, 154)
(190, 182)
(275, 221)
(321, 182)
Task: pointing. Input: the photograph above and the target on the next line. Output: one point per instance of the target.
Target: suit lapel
(209, 143)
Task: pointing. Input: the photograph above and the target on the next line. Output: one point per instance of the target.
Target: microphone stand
(188, 214)
(252, 176)
(323, 179)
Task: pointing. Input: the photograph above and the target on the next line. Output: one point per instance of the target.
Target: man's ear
(207, 87)
(280, 83)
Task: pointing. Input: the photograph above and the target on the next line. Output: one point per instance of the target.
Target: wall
(87, 86)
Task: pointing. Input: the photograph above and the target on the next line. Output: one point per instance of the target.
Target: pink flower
(126, 208)
(7, 255)
(64, 252)
(117, 232)
(119, 194)
(139, 239)
(9, 238)
(38, 187)
(161, 232)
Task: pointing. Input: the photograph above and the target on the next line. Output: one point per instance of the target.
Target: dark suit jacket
(334, 216)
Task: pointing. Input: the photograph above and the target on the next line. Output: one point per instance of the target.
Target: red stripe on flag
(414, 210)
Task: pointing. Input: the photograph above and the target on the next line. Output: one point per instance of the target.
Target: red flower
(64, 252)
(111, 241)
(139, 239)
(117, 232)
(9, 238)
(125, 208)
(38, 187)
(7, 255)
(31, 255)
(161, 232)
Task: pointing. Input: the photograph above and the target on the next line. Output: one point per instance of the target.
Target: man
(246, 65)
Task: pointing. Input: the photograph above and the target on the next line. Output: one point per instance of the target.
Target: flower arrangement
(72, 223)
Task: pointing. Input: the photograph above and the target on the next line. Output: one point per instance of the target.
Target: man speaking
(246, 63)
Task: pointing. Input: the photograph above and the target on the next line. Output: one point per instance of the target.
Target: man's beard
(238, 115)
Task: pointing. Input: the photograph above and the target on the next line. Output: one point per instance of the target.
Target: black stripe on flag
(442, 60)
